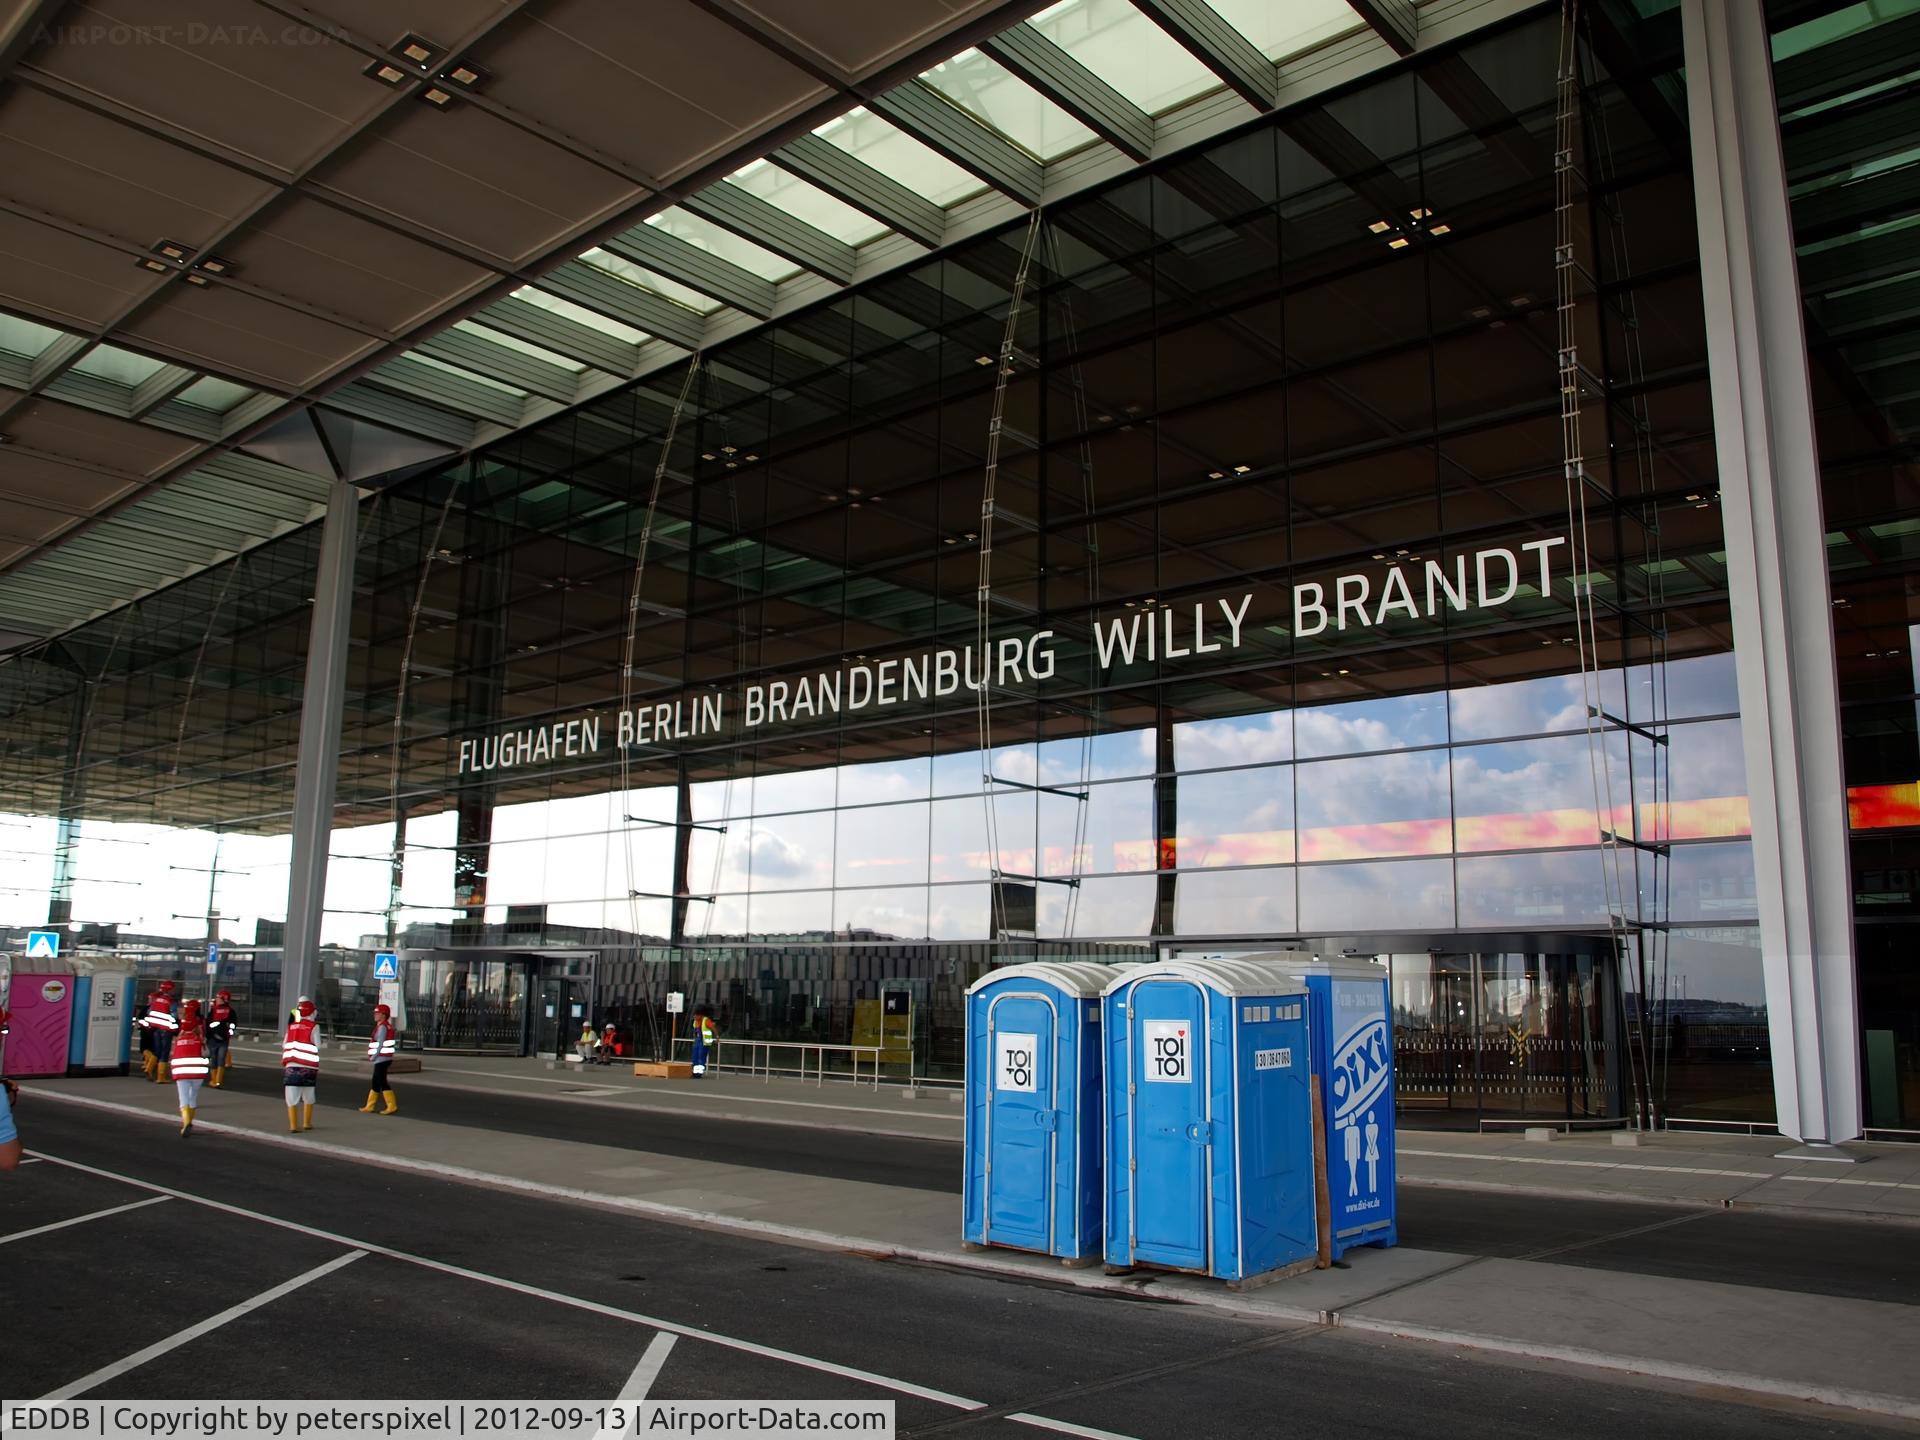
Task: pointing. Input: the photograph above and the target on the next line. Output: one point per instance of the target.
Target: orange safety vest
(301, 1047)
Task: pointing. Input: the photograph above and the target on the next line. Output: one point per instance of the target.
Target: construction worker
(221, 1022)
(190, 1067)
(160, 1025)
(300, 1064)
(705, 1039)
(380, 1050)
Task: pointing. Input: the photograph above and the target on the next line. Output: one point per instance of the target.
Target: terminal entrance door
(1506, 1034)
(1501, 1027)
(496, 1002)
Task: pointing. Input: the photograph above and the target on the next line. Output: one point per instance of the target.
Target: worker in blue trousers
(706, 1040)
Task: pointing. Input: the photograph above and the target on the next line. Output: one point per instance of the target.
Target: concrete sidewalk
(1847, 1352)
(1740, 1171)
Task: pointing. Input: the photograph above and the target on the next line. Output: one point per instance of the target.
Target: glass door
(1520, 1035)
(1433, 1038)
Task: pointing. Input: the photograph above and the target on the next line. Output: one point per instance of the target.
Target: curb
(1860, 1400)
(1863, 1400)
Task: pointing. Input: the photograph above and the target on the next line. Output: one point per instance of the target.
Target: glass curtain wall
(1280, 632)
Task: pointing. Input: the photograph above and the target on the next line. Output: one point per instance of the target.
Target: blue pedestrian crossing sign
(43, 944)
(386, 966)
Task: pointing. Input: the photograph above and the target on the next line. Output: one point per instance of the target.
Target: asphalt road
(1857, 1260)
(440, 1289)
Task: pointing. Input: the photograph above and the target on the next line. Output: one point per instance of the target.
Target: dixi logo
(1359, 1070)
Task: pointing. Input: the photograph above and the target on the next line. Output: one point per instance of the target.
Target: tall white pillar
(1777, 569)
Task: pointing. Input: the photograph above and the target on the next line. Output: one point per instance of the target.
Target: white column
(318, 764)
(1777, 569)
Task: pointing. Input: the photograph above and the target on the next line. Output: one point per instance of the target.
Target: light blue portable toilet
(1353, 1026)
(1033, 1109)
(1209, 1119)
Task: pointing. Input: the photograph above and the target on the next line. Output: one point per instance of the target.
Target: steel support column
(318, 762)
(1777, 569)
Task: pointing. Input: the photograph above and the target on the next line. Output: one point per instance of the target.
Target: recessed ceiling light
(1399, 242)
(385, 71)
(983, 359)
(1420, 212)
(1438, 229)
(706, 455)
(172, 250)
(1241, 469)
(1379, 227)
(437, 97)
(1216, 474)
(214, 265)
(159, 267)
(416, 49)
(194, 277)
(753, 457)
(464, 75)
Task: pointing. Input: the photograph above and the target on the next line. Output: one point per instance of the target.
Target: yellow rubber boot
(186, 1121)
(165, 1070)
(373, 1099)
(393, 1105)
(293, 1119)
(214, 1078)
(147, 1063)
(306, 1117)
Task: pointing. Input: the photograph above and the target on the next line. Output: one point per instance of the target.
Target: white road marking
(648, 1370)
(1067, 1427)
(638, 1384)
(594, 1307)
(194, 1332)
(82, 1219)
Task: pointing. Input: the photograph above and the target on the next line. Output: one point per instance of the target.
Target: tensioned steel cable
(626, 666)
(1083, 807)
(1572, 277)
(397, 747)
(1654, 942)
(1010, 355)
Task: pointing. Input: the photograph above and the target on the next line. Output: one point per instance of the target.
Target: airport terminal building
(1130, 476)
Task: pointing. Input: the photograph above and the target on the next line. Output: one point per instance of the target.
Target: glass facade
(693, 684)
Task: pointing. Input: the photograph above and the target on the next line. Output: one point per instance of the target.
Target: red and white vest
(301, 1048)
(159, 1014)
(190, 1055)
(383, 1044)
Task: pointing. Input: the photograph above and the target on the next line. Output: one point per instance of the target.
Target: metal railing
(760, 1057)
(1732, 1127)
(1561, 1122)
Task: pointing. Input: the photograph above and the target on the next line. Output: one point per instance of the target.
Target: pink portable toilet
(39, 1033)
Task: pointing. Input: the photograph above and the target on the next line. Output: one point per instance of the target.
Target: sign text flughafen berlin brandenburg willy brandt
(1481, 580)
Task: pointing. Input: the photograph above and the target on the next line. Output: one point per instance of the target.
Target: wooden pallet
(664, 1069)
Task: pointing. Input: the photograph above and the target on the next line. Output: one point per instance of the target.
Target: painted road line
(648, 1370)
(690, 1332)
(639, 1384)
(82, 1219)
(194, 1332)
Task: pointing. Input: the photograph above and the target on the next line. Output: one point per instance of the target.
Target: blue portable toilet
(1033, 1109)
(1209, 1119)
(1353, 1026)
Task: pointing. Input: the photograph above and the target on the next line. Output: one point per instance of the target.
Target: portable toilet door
(1169, 1121)
(1033, 1109)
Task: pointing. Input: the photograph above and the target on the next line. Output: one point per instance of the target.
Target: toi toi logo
(1360, 1069)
